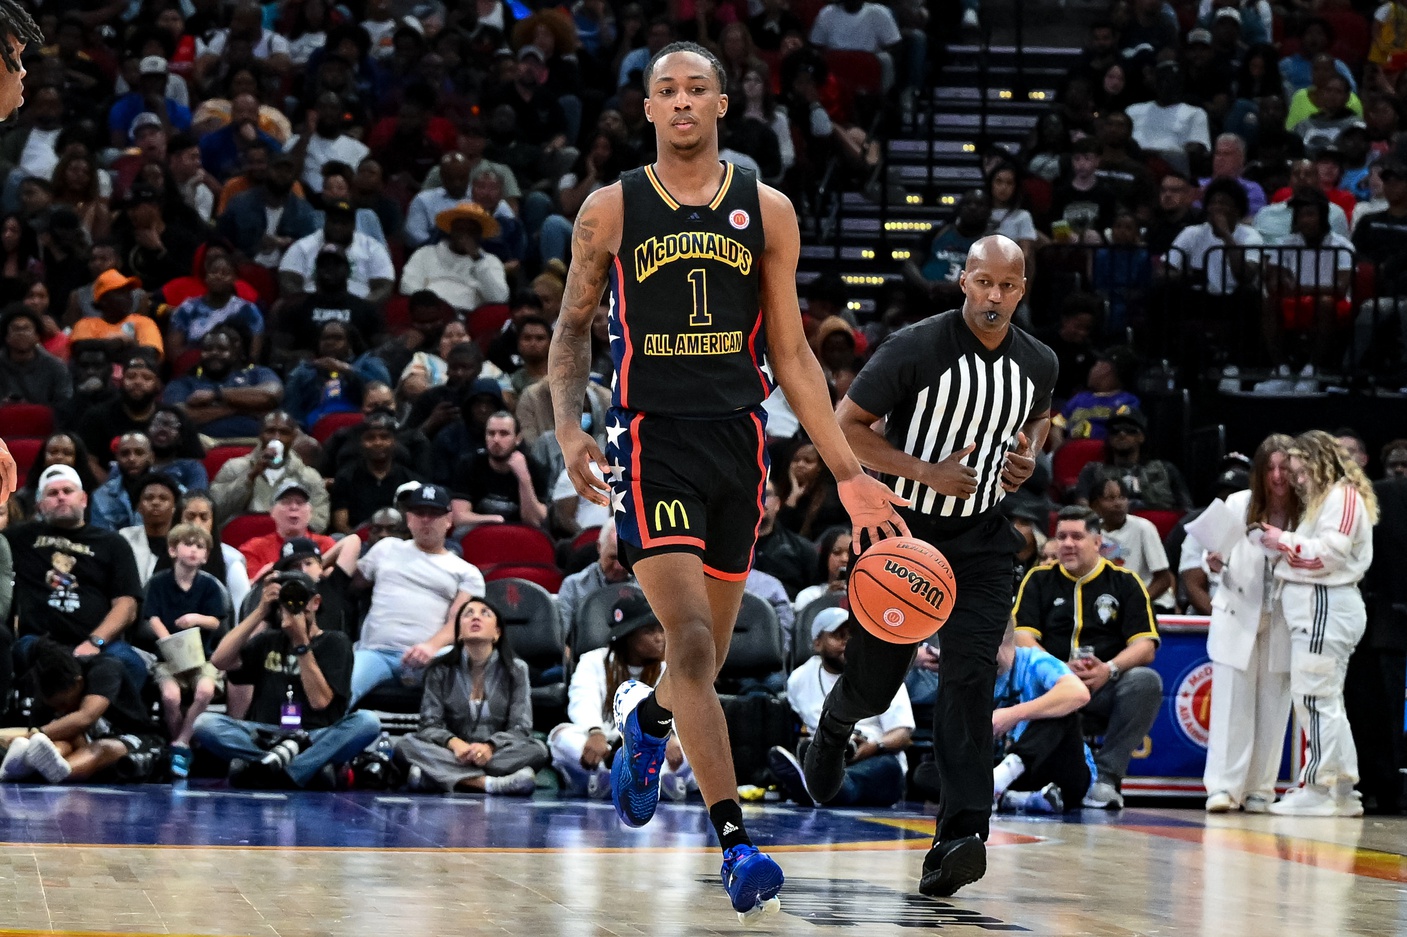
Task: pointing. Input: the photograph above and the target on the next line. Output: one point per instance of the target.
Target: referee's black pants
(983, 564)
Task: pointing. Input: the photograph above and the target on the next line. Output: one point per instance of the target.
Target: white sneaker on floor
(15, 767)
(1220, 802)
(43, 756)
(1350, 804)
(1258, 803)
(1104, 796)
(520, 783)
(1312, 800)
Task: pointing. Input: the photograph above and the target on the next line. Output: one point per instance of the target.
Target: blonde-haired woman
(1249, 644)
(1324, 558)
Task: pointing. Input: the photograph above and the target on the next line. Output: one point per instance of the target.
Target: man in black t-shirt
(94, 724)
(74, 582)
(500, 479)
(137, 399)
(369, 484)
(299, 323)
(302, 679)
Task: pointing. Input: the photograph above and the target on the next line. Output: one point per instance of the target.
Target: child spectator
(182, 597)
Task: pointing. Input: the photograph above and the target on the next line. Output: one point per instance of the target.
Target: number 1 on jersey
(700, 316)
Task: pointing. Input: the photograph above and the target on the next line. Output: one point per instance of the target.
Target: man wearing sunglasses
(1152, 484)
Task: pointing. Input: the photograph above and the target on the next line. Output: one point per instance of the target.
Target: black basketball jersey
(685, 306)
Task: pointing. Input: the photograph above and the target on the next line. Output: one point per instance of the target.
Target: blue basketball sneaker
(635, 773)
(753, 881)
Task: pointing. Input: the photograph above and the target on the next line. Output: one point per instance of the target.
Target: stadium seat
(25, 450)
(545, 575)
(1165, 521)
(218, 456)
(26, 419)
(534, 631)
(187, 360)
(1070, 458)
(324, 428)
(245, 527)
(591, 626)
(756, 649)
(397, 314)
(586, 538)
(491, 545)
(487, 321)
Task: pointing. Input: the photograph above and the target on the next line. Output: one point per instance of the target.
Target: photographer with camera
(299, 728)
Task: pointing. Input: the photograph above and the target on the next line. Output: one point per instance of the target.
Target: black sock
(655, 720)
(727, 818)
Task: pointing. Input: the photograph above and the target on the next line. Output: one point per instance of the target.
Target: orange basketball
(902, 590)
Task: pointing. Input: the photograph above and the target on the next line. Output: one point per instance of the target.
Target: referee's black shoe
(824, 761)
(951, 865)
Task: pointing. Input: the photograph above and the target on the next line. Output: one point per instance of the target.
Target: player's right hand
(952, 478)
(579, 451)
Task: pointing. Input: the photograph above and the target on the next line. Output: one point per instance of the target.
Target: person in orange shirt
(118, 324)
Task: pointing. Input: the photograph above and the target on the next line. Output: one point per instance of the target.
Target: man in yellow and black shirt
(1084, 601)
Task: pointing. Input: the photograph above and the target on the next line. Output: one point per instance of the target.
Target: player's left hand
(1020, 463)
(9, 473)
(870, 504)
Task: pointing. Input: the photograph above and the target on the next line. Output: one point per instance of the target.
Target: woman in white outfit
(1249, 644)
(582, 748)
(1324, 558)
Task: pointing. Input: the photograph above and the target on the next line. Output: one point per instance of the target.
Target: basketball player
(17, 30)
(966, 401)
(692, 249)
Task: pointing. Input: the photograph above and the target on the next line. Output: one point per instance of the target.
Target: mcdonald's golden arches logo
(670, 508)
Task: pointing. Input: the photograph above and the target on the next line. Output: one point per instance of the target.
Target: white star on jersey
(613, 433)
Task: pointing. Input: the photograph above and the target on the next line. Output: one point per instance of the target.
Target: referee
(966, 399)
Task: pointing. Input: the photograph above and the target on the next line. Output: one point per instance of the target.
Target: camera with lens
(296, 589)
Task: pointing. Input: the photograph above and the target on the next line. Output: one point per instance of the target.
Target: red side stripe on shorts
(712, 573)
(624, 376)
(752, 350)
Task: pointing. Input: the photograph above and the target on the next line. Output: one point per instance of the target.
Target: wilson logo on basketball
(919, 584)
(893, 617)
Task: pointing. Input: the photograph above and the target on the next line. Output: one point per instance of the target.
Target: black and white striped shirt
(943, 390)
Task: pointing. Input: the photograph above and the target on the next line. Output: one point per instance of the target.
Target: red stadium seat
(326, 426)
(244, 527)
(1165, 521)
(1071, 457)
(397, 315)
(26, 419)
(188, 360)
(491, 545)
(220, 455)
(586, 538)
(25, 450)
(858, 71)
(549, 577)
(487, 321)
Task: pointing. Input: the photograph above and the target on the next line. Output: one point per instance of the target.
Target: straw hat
(468, 211)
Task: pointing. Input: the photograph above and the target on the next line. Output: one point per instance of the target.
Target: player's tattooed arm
(595, 241)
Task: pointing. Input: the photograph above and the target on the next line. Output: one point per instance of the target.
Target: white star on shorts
(613, 433)
(617, 471)
(618, 502)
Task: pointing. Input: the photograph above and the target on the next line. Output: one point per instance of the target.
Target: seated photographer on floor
(332, 571)
(299, 729)
(95, 724)
(476, 717)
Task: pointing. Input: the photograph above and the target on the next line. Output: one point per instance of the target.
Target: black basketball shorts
(688, 485)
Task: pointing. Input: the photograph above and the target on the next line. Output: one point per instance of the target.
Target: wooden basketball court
(162, 860)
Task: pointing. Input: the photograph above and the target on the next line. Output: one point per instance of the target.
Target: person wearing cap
(373, 277)
(1308, 277)
(149, 97)
(1381, 239)
(369, 483)
(417, 590)
(74, 582)
(458, 269)
(269, 214)
(583, 745)
(300, 323)
(1249, 643)
(875, 769)
(118, 324)
(482, 399)
(130, 411)
(325, 141)
(28, 373)
(1152, 484)
(250, 484)
(162, 242)
(295, 669)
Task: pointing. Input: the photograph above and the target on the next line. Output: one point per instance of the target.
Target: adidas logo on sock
(729, 827)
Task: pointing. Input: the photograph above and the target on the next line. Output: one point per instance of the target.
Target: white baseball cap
(58, 473)
(152, 65)
(828, 620)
